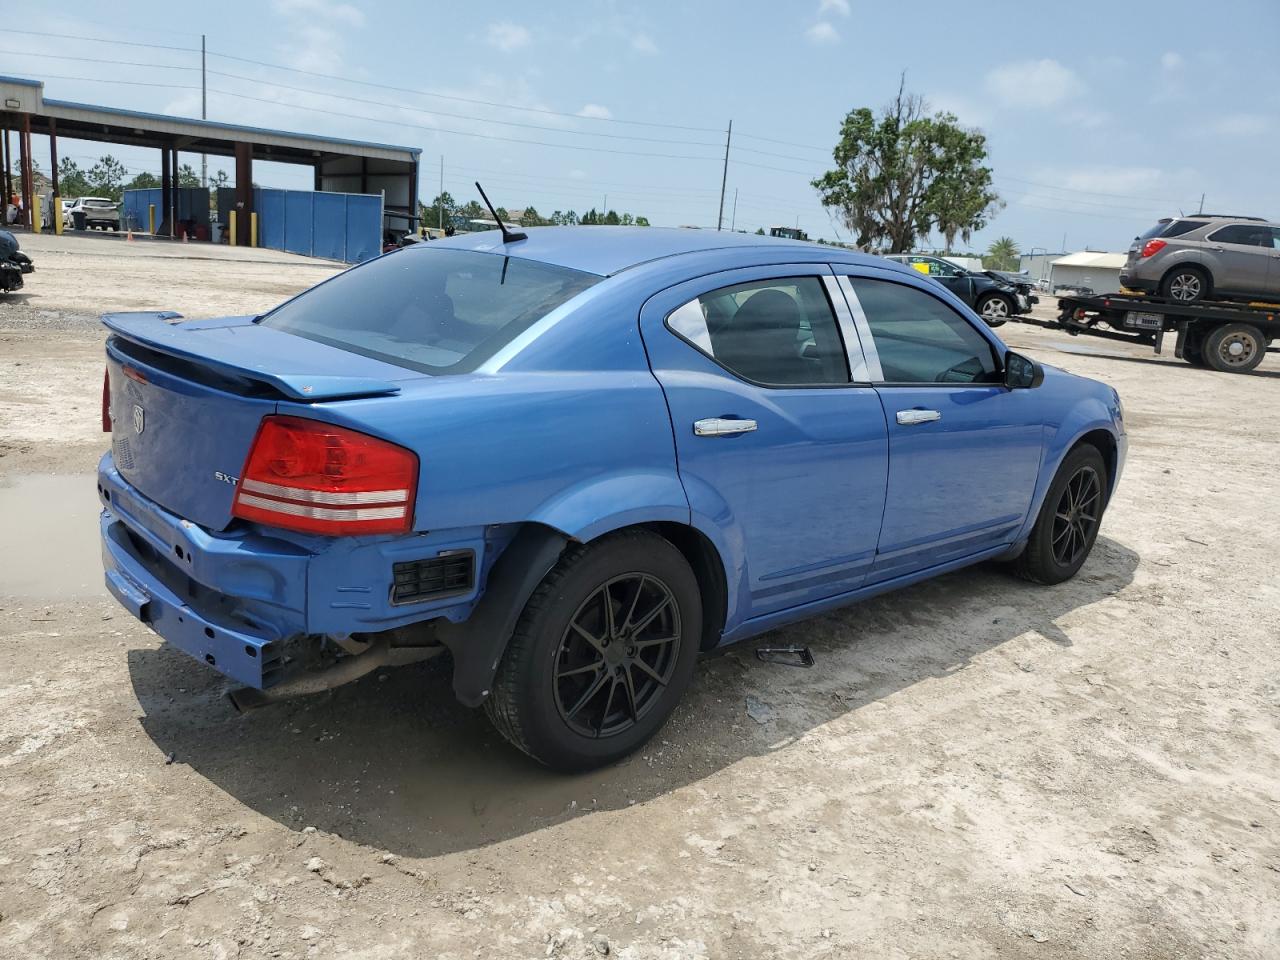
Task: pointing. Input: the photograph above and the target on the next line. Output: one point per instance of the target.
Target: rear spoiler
(237, 347)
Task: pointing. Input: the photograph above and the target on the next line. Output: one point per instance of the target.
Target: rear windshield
(430, 309)
(1172, 228)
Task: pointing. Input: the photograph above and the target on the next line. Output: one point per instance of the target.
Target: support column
(318, 180)
(244, 191)
(28, 183)
(53, 157)
(364, 174)
(6, 181)
(166, 191)
(413, 225)
(173, 192)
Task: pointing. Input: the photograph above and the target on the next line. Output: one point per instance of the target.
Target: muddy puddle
(49, 537)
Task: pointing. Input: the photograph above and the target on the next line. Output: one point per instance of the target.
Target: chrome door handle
(909, 418)
(722, 427)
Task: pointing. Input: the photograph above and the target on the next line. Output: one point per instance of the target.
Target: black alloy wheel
(1067, 525)
(617, 654)
(1075, 521)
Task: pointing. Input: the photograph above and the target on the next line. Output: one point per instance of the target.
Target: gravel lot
(976, 766)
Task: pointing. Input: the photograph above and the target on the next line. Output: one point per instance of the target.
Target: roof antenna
(508, 236)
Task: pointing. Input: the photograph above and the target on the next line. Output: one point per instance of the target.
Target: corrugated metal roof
(1089, 258)
(185, 126)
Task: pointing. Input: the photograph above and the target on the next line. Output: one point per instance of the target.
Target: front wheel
(1067, 526)
(602, 653)
(994, 309)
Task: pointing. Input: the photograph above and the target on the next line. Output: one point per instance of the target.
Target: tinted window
(1249, 234)
(430, 309)
(768, 331)
(1179, 227)
(1172, 228)
(920, 339)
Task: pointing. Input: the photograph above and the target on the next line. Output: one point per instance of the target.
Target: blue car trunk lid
(187, 399)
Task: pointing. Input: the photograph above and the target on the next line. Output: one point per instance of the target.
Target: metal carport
(350, 166)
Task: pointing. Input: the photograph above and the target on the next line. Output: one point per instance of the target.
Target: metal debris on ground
(787, 656)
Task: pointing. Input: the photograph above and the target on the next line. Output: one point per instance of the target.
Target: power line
(463, 116)
(118, 63)
(122, 43)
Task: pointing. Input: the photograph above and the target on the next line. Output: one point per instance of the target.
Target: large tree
(904, 173)
(106, 177)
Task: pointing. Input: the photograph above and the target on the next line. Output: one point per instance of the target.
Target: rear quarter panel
(584, 446)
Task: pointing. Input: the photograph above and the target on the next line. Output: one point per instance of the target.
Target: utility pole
(605, 210)
(733, 221)
(440, 198)
(204, 115)
(724, 175)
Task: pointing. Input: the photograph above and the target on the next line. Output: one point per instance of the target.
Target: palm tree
(1003, 254)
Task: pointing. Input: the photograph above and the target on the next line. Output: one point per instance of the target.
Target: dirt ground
(976, 767)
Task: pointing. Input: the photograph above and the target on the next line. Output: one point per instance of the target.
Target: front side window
(429, 309)
(1248, 234)
(774, 332)
(920, 339)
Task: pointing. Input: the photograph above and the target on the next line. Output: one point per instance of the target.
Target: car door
(1242, 252)
(779, 446)
(1273, 268)
(948, 274)
(964, 451)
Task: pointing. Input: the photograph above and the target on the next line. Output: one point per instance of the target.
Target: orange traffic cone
(129, 235)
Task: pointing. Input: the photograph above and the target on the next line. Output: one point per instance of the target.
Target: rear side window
(774, 332)
(1172, 228)
(1248, 234)
(920, 339)
(433, 310)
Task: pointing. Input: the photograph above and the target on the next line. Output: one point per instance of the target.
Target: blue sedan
(574, 461)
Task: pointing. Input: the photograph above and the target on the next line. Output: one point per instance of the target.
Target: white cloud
(643, 43)
(1033, 83)
(322, 10)
(822, 33)
(507, 36)
(1242, 124)
(1108, 179)
(595, 111)
(833, 6)
(577, 174)
(1171, 61)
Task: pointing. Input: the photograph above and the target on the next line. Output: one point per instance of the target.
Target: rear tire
(1186, 284)
(1067, 526)
(1234, 348)
(579, 685)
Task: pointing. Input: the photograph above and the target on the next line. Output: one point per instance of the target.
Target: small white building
(1087, 270)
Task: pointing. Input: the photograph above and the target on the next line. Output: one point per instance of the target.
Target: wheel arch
(1104, 441)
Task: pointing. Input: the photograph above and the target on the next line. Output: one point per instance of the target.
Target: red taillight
(314, 477)
(106, 401)
(1152, 248)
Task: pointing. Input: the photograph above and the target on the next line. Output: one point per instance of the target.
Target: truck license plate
(1143, 321)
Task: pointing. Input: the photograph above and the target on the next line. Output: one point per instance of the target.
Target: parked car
(995, 299)
(14, 264)
(90, 212)
(575, 461)
(1207, 256)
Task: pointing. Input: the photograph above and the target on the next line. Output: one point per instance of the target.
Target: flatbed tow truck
(1226, 336)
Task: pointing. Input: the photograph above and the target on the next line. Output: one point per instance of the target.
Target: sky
(1100, 117)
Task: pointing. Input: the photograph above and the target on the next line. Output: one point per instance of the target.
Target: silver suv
(1206, 257)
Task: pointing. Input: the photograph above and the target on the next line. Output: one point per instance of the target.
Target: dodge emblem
(139, 418)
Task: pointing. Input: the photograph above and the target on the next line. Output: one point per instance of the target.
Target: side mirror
(1021, 373)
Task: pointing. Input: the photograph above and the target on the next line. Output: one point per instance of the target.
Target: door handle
(909, 418)
(722, 427)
